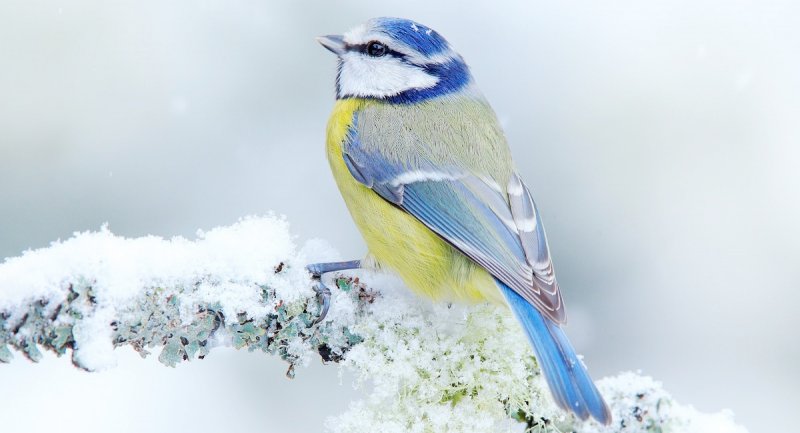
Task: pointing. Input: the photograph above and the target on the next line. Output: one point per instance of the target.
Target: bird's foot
(323, 292)
(324, 298)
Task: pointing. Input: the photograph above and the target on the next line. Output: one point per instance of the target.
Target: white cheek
(363, 76)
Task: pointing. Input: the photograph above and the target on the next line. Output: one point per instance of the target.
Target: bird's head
(397, 60)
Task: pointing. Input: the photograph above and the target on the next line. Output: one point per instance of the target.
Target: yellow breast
(397, 240)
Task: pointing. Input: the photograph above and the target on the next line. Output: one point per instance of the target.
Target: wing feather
(534, 242)
(498, 228)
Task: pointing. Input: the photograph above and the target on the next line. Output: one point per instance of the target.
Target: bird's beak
(334, 43)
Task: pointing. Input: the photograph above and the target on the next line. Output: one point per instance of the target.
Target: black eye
(376, 49)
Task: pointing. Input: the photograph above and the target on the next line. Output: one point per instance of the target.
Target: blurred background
(661, 140)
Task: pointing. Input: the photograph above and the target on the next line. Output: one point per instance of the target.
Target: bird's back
(459, 131)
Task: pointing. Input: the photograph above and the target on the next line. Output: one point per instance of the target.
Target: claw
(324, 297)
(323, 292)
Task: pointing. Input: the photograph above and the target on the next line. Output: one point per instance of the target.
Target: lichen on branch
(97, 291)
(160, 320)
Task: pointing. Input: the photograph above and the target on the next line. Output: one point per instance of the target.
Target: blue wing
(499, 228)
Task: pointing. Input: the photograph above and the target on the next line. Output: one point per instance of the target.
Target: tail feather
(569, 382)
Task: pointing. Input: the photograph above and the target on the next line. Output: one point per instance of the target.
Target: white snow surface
(119, 267)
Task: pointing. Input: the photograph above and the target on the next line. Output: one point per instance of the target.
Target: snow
(640, 402)
(119, 267)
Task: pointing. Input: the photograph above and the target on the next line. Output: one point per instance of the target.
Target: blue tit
(428, 178)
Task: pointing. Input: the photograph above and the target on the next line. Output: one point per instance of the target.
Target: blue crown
(422, 39)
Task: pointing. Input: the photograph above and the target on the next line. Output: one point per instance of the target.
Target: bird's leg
(323, 292)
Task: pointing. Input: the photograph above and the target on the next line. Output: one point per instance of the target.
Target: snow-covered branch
(428, 367)
(243, 285)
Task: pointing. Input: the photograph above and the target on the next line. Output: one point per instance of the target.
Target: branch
(432, 367)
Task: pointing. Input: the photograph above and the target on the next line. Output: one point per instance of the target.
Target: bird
(426, 173)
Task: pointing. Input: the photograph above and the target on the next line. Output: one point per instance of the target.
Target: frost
(424, 367)
(446, 368)
(639, 404)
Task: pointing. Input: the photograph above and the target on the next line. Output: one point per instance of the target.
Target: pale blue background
(661, 140)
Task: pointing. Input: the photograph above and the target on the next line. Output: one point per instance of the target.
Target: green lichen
(157, 320)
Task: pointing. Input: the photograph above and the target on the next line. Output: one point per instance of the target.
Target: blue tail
(570, 384)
